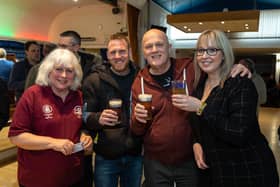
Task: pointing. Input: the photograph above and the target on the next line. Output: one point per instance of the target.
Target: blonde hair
(119, 36)
(221, 41)
(59, 57)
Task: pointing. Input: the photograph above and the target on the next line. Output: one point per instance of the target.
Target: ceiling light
(75, 1)
(212, 20)
(200, 23)
(222, 22)
(185, 27)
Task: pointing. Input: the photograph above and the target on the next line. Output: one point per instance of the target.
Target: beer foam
(145, 97)
(115, 103)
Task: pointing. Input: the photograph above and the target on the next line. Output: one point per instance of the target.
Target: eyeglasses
(60, 70)
(209, 51)
(64, 46)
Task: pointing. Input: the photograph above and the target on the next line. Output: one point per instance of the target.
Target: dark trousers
(158, 174)
(87, 180)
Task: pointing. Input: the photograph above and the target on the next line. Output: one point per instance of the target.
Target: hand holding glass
(116, 105)
(146, 100)
(179, 87)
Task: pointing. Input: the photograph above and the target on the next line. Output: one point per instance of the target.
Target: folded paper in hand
(78, 147)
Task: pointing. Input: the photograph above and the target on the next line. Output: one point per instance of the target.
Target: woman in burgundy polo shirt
(47, 125)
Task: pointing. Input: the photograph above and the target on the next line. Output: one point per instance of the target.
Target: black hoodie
(98, 88)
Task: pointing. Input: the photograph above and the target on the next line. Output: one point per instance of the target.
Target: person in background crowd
(5, 104)
(47, 125)
(168, 155)
(5, 65)
(20, 69)
(47, 48)
(71, 40)
(32, 74)
(118, 152)
(229, 146)
(257, 80)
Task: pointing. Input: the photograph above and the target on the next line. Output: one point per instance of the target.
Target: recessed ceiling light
(185, 27)
(228, 30)
(75, 1)
(246, 28)
(231, 18)
(246, 25)
(189, 29)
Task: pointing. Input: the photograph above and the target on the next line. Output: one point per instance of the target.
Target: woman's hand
(199, 156)
(64, 146)
(185, 102)
(87, 142)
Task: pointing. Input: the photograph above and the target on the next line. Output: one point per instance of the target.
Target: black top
(98, 88)
(88, 62)
(18, 76)
(165, 79)
(4, 106)
(125, 83)
(228, 130)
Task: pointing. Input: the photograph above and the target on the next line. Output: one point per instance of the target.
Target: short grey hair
(59, 57)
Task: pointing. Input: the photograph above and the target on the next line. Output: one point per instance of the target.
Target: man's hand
(240, 69)
(140, 113)
(108, 117)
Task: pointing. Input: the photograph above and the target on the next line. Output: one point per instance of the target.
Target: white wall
(89, 21)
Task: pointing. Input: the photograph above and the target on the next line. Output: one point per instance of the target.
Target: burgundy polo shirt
(41, 112)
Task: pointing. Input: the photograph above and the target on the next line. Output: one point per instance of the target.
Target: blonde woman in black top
(229, 147)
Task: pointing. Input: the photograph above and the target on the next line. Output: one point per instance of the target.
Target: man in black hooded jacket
(118, 152)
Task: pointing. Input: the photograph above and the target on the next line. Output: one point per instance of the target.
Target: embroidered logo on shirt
(47, 111)
(78, 111)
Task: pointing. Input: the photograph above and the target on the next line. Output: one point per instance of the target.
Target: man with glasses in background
(72, 40)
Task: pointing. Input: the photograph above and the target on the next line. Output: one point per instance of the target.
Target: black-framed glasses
(64, 46)
(209, 51)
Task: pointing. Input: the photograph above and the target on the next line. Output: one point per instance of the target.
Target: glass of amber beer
(116, 105)
(178, 87)
(146, 100)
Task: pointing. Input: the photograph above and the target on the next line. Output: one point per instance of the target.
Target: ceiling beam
(228, 21)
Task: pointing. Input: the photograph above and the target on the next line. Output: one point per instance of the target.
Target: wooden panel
(132, 16)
